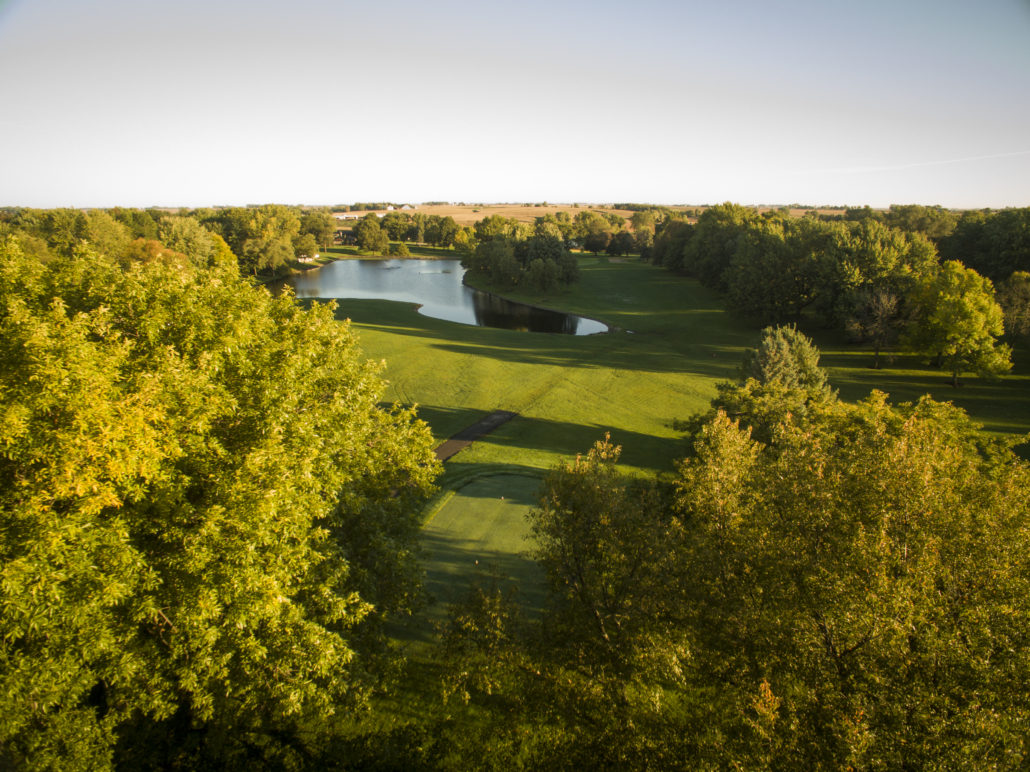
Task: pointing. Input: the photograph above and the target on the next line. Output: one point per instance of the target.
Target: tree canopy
(207, 515)
(958, 321)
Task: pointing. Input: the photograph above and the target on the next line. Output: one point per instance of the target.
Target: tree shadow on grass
(454, 567)
(568, 439)
(448, 421)
(686, 342)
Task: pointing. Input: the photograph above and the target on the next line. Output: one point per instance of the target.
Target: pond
(437, 287)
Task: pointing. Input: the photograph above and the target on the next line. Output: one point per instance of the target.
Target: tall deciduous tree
(1014, 299)
(320, 224)
(207, 515)
(958, 321)
(860, 588)
(370, 235)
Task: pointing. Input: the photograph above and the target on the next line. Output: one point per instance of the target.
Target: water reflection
(436, 285)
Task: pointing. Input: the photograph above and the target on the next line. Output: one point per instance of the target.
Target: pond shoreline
(460, 301)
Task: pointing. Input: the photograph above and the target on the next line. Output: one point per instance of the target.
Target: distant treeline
(878, 275)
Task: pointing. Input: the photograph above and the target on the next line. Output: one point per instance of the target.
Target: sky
(224, 102)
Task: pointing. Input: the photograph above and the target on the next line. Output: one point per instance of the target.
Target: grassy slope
(568, 390)
(479, 531)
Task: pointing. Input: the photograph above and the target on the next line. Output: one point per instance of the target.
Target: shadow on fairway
(571, 439)
(454, 567)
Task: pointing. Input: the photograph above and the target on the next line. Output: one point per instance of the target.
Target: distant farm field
(469, 214)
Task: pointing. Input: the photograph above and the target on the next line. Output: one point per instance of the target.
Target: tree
(771, 275)
(714, 241)
(208, 516)
(496, 260)
(934, 222)
(370, 236)
(670, 244)
(622, 243)
(105, 233)
(859, 588)
(785, 356)
(396, 225)
(541, 274)
(266, 253)
(1014, 299)
(877, 318)
(856, 259)
(305, 246)
(188, 236)
(994, 244)
(592, 231)
(441, 231)
(495, 226)
(958, 321)
(601, 546)
(596, 241)
(320, 225)
(261, 237)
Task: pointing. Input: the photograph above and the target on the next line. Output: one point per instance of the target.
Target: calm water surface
(436, 285)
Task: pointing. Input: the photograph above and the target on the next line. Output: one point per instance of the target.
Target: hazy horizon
(119, 103)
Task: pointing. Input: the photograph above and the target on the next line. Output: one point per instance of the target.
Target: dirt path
(470, 434)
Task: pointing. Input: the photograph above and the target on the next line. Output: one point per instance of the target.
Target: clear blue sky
(136, 102)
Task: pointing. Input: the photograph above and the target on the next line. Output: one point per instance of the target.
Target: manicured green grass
(477, 532)
(675, 343)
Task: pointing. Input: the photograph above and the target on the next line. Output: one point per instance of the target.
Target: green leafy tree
(771, 275)
(320, 225)
(370, 236)
(305, 246)
(208, 517)
(785, 356)
(994, 244)
(1014, 299)
(396, 225)
(495, 226)
(934, 222)
(496, 260)
(670, 244)
(541, 275)
(105, 233)
(261, 237)
(441, 231)
(714, 241)
(187, 236)
(622, 243)
(859, 588)
(958, 321)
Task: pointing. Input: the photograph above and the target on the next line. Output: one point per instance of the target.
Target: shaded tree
(1014, 299)
(320, 224)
